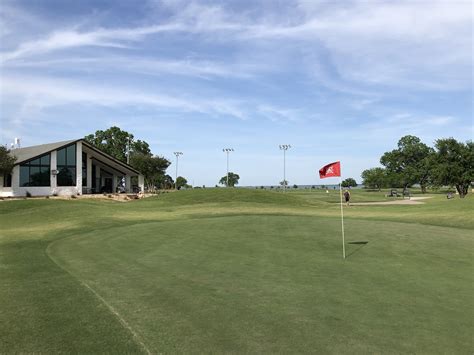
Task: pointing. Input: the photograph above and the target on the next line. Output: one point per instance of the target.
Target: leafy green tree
(168, 182)
(410, 163)
(233, 180)
(180, 182)
(349, 182)
(116, 142)
(7, 161)
(152, 167)
(453, 164)
(374, 178)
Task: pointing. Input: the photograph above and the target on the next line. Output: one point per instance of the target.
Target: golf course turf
(235, 270)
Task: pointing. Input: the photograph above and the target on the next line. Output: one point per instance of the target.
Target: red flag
(330, 170)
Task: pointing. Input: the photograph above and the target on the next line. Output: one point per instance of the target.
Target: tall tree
(374, 178)
(117, 143)
(7, 161)
(453, 164)
(153, 168)
(233, 179)
(410, 163)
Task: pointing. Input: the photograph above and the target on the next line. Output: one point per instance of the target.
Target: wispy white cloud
(276, 114)
(375, 43)
(40, 93)
(204, 69)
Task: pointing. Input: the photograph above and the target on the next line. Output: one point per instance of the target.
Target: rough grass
(242, 271)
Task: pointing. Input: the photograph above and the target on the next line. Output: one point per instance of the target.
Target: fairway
(236, 271)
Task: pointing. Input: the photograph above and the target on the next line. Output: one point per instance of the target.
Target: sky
(337, 80)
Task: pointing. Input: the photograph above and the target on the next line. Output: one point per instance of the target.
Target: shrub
(28, 194)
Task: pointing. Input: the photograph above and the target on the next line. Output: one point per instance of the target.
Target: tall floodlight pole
(227, 151)
(128, 149)
(284, 147)
(177, 154)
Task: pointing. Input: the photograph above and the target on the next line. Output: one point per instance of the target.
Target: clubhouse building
(73, 167)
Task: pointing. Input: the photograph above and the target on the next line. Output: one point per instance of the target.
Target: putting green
(263, 283)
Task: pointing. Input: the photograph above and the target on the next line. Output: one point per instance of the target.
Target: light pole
(227, 151)
(128, 149)
(284, 147)
(177, 154)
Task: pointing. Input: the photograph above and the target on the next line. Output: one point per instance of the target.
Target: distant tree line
(448, 163)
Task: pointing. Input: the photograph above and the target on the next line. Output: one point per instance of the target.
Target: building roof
(28, 153)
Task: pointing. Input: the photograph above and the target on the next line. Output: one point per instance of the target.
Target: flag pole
(342, 220)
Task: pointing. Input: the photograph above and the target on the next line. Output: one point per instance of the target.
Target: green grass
(242, 271)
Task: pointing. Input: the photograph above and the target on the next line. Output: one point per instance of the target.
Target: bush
(28, 194)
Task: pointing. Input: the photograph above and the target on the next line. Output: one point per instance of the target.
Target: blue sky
(338, 80)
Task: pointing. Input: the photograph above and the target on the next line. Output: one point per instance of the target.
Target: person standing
(347, 196)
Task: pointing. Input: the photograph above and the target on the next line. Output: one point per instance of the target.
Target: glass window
(7, 180)
(84, 169)
(71, 155)
(45, 160)
(66, 165)
(61, 157)
(36, 172)
(24, 175)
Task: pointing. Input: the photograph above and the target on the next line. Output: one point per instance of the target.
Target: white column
(128, 184)
(79, 167)
(54, 166)
(16, 180)
(89, 172)
(141, 183)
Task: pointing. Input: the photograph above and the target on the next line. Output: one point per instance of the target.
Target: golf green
(254, 284)
(236, 271)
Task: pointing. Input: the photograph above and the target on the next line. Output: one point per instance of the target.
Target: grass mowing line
(122, 321)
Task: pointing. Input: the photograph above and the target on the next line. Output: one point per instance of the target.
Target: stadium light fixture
(227, 151)
(284, 147)
(177, 154)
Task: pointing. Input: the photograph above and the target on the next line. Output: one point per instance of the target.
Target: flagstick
(342, 220)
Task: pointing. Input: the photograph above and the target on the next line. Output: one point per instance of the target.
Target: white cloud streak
(46, 92)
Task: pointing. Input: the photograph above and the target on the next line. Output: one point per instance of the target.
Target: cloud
(40, 93)
(203, 69)
(72, 38)
(427, 45)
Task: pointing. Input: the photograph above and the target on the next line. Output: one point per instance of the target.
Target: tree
(349, 182)
(116, 142)
(152, 167)
(180, 182)
(410, 163)
(233, 180)
(166, 182)
(284, 183)
(374, 178)
(295, 186)
(7, 161)
(453, 164)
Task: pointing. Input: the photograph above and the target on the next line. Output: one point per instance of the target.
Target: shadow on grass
(361, 245)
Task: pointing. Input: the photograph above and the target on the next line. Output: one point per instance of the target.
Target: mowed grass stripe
(278, 284)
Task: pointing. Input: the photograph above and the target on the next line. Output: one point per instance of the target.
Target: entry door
(108, 184)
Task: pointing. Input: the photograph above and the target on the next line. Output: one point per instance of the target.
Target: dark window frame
(84, 169)
(37, 163)
(66, 167)
(7, 180)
